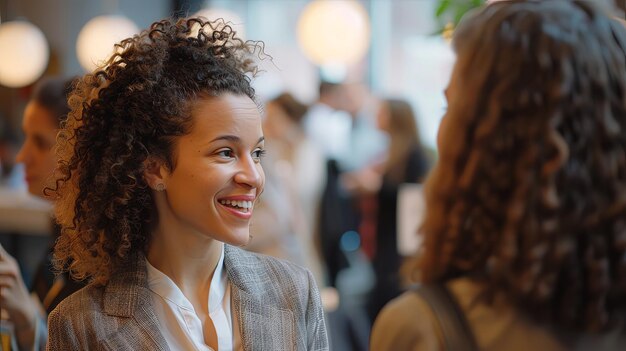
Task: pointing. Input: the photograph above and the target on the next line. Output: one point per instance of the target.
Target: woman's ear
(155, 173)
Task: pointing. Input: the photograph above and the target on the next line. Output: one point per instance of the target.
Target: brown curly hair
(529, 195)
(133, 108)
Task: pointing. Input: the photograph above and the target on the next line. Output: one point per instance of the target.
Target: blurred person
(42, 117)
(341, 124)
(285, 221)
(366, 142)
(525, 213)
(330, 124)
(158, 177)
(327, 123)
(406, 162)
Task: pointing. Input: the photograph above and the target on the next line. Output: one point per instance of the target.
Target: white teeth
(240, 204)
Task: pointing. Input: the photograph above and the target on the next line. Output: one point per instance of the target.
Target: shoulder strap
(457, 336)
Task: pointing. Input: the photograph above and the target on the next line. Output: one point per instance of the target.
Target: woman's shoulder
(253, 270)
(86, 299)
(405, 323)
(256, 263)
(73, 321)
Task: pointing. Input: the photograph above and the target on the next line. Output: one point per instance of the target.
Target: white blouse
(180, 325)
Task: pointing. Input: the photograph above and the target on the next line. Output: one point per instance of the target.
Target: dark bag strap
(457, 336)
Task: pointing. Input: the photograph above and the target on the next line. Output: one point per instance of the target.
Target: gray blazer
(276, 303)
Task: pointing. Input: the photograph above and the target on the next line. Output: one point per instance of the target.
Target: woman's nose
(250, 173)
(23, 155)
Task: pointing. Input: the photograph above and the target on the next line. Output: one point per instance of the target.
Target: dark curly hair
(529, 195)
(128, 111)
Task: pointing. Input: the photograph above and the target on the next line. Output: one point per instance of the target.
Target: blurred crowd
(524, 157)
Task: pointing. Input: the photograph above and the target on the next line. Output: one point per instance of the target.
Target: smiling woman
(159, 172)
(217, 169)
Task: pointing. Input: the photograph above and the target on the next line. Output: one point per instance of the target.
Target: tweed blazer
(277, 306)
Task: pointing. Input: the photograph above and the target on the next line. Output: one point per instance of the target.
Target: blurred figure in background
(526, 214)
(339, 125)
(327, 123)
(42, 117)
(285, 222)
(406, 162)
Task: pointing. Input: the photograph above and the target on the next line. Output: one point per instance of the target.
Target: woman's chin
(239, 239)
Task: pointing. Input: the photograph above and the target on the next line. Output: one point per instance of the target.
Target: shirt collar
(164, 286)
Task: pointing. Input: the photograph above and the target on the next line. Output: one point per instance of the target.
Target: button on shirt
(179, 323)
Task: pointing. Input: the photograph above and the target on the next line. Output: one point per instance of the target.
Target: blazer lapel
(128, 298)
(262, 325)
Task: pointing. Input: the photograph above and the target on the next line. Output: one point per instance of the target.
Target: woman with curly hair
(158, 176)
(525, 227)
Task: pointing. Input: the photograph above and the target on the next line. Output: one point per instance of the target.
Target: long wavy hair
(132, 108)
(404, 137)
(529, 194)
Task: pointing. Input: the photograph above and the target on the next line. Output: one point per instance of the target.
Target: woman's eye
(258, 154)
(42, 145)
(226, 153)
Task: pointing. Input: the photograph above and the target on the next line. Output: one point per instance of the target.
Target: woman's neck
(189, 259)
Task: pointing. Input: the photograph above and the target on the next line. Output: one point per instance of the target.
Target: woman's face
(383, 117)
(218, 175)
(451, 94)
(37, 153)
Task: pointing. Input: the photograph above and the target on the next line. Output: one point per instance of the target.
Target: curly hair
(122, 115)
(529, 195)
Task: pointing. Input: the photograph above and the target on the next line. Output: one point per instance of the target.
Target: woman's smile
(240, 205)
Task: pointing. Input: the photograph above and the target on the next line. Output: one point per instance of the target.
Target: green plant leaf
(463, 8)
(455, 9)
(443, 7)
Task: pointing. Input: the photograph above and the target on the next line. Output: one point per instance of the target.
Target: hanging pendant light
(334, 32)
(24, 53)
(95, 43)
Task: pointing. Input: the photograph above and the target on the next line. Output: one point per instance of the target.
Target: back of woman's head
(403, 137)
(529, 194)
(51, 93)
(402, 122)
(293, 108)
(125, 114)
